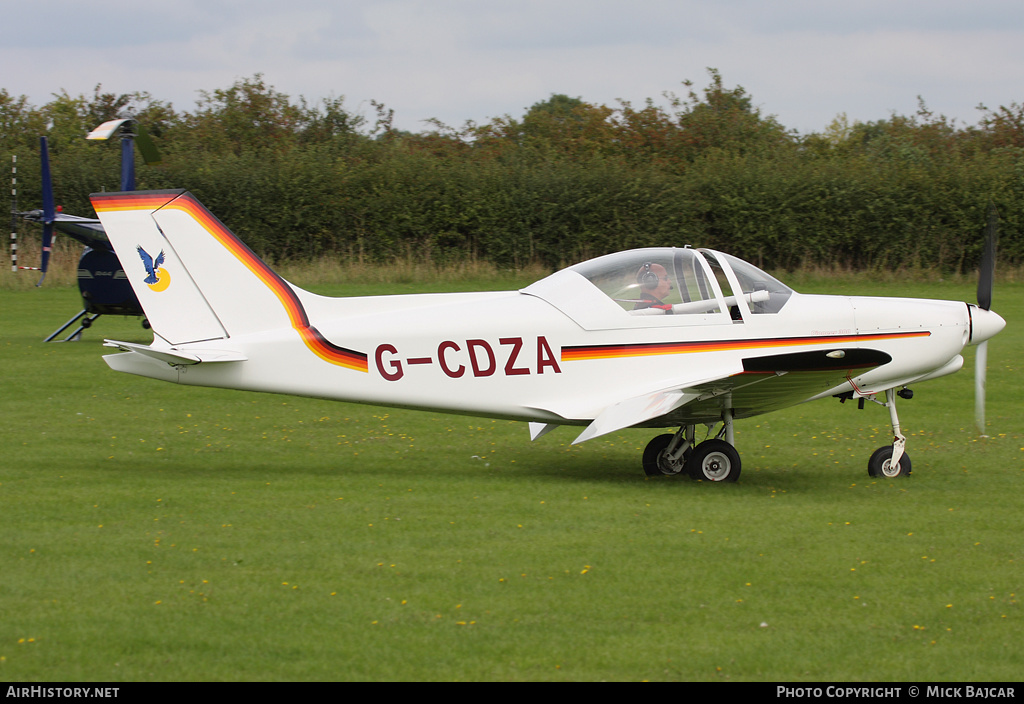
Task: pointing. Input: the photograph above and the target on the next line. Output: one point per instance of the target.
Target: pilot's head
(653, 280)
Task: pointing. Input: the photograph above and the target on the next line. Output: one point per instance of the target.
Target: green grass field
(156, 532)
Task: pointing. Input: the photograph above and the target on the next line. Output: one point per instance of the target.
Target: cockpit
(700, 285)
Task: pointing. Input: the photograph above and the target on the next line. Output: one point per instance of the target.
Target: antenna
(14, 213)
(48, 214)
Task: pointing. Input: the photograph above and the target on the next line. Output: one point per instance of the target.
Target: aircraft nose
(984, 324)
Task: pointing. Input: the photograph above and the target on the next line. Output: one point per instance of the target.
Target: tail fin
(197, 281)
(194, 278)
(174, 304)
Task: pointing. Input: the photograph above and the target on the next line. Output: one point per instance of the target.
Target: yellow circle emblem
(163, 280)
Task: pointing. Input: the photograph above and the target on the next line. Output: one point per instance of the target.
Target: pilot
(654, 286)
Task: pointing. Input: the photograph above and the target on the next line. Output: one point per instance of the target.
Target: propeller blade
(980, 370)
(986, 277)
(986, 274)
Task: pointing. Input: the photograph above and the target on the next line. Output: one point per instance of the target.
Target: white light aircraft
(653, 338)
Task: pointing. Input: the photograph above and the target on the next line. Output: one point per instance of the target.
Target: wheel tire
(880, 464)
(655, 462)
(714, 461)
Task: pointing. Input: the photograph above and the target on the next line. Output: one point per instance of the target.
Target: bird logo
(158, 279)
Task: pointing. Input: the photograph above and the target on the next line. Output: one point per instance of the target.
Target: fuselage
(557, 352)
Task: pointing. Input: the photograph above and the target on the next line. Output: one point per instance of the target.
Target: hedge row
(780, 213)
(569, 181)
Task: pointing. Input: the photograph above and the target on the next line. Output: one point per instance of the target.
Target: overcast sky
(804, 61)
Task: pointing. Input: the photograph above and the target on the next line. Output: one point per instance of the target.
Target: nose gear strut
(891, 460)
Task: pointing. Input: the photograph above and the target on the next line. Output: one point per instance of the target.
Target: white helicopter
(661, 337)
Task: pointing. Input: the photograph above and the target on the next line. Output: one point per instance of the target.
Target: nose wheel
(881, 464)
(892, 461)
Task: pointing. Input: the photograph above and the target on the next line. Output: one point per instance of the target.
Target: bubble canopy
(662, 286)
(674, 281)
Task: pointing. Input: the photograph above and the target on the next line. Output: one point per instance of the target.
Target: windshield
(752, 280)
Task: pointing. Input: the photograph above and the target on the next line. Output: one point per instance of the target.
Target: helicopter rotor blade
(147, 148)
(49, 210)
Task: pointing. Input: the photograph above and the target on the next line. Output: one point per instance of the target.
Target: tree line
(564, 181)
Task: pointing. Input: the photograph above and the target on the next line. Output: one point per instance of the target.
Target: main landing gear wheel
(658, 462)
(714, 461)
(880, 464)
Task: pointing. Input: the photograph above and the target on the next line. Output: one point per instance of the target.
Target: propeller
(986, 276)
(49, 211)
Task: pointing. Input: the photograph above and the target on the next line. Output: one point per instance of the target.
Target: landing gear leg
(666, 455)
(717, 460)
(714, 460)
(86, 320)
(891, 461)
(727, 427)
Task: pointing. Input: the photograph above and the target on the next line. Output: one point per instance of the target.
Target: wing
(159, 260)
(751, 387)
(636, 410)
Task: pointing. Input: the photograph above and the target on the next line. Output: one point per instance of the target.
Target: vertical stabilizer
(197, 281)
(176, 254)
(174, 305)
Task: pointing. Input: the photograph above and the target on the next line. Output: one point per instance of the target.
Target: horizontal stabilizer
(174, 356)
